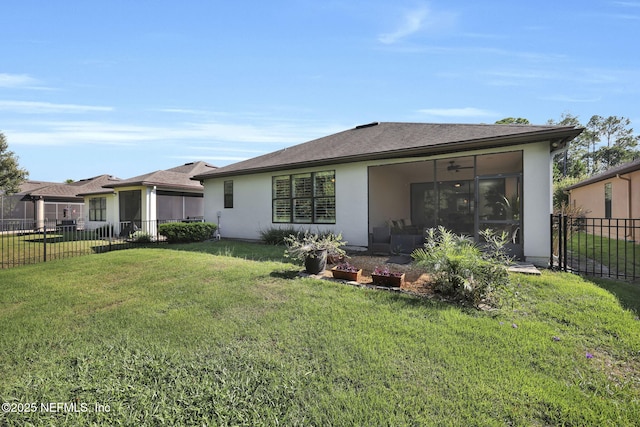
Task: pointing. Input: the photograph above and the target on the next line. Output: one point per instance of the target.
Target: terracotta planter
(353, 276)
(388, 281)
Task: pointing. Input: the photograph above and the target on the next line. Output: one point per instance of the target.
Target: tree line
(605, 142)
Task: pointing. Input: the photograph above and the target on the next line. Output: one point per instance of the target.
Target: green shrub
(460, 269)
(276, 236)
(141, 237)
(185, 232)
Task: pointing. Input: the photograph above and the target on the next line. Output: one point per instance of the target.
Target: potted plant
(346, 271)
(335, 258)
(312, 249)
(385, 277)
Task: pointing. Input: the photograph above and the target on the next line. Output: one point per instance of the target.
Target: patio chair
(380, 240)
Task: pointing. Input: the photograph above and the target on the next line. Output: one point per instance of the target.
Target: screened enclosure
(179, 205)
(464, 194)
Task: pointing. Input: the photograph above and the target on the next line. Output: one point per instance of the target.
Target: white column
(39, 207)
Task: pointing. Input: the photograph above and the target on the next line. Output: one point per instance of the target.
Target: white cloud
(417, 20)
(78, 133)
(17, 81)
(217, 148)
(457, 112)
(564, 98)
(212, 158)
(31, 107)
(188, 111)
(94, 133)
(627, 3)
(412, 23)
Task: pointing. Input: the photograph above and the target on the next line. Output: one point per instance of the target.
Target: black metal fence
(30, 242)
(603, 247)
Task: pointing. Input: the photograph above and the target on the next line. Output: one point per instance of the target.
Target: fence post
(44, 240)
(565, 222)
(551, 265)
(560, 248)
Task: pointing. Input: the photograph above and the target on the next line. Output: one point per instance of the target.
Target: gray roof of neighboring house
(609, 173)
(63, 191)
(174, 178)
(395, 140)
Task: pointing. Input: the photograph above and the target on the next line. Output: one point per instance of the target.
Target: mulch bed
(416, 281)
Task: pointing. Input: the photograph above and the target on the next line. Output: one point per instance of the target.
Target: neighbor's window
(305, 198)
(607, 200)
(228, 194)
(98, 209)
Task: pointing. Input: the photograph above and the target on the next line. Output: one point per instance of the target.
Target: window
(98, 209)
(607, 200)
(228, 194)
(306, 198)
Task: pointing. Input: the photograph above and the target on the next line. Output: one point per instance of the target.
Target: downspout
(632, 236)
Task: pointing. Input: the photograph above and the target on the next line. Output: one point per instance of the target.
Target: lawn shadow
(628, 294)
(285, 274)
(254, 251)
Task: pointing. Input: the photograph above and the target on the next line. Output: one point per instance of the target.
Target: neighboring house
(613, 194)
(139, 201)
(411, 175)
(49, 201)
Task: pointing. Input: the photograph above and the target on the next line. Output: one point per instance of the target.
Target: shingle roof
(71, 191)
(174, 178)
(609, 173)
(393, 140)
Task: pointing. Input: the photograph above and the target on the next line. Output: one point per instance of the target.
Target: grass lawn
(619, 255)
(223, 334)
(21, 249)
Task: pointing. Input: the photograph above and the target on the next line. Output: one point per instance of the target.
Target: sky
(123, 87)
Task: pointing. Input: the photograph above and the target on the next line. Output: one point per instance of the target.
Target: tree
(621, 142)
(11, 175)
(612, 128)
(571, 162)
(587, 154)
(513, 121)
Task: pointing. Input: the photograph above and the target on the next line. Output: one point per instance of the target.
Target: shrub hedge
(186, 232)
(277, 235)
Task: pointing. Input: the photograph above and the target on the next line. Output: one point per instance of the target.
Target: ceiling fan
(454, 167)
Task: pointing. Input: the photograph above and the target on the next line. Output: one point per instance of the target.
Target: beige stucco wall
(625, 204)
(591, 197)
